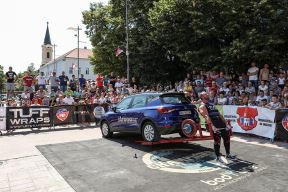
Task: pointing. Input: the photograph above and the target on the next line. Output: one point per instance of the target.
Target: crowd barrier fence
(244, 119)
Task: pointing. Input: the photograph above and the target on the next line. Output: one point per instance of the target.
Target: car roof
(157, 93)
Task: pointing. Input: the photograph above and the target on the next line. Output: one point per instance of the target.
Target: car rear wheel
(105, 129)
(150, 132)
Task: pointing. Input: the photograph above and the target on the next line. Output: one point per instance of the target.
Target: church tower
(47, 48)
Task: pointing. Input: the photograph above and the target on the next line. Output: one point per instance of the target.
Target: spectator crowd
(257, 87)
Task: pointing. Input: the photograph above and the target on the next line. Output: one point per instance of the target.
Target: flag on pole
(118, 51)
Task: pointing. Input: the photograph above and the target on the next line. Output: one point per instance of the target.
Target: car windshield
(174, 99)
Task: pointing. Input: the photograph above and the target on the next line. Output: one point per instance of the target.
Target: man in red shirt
(99, 82)
(28, 81)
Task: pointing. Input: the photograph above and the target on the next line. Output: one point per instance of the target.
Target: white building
(66, 62)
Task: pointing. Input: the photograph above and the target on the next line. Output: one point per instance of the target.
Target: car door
(135, 113)
(117, 118)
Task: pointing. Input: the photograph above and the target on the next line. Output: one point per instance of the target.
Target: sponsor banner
(84, 114)
(281, 120)
(2, 118)
(27, 117)
(89, 113)
(63, 114)
(253, 120)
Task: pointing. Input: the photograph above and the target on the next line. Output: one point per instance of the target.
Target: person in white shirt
(221, 100)
(41, 80)
(118, 84)
(261, 96)
(281, 80)
(253, 74)
(263, 87)
(68, 100)
(274, 104)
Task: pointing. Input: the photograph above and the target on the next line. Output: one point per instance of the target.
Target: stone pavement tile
(7, 189)
(23, 188)
(4, 184)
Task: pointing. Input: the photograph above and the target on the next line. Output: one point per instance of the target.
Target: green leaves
(201, 34)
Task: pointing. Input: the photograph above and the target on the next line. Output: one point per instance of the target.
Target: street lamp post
(127, 42)
(54, 62)
(78, 41)
(78, 29)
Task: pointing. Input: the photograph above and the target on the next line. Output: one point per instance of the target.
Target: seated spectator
(220, 80)
(25, 95)
(222, 100)
(68, 92)
(35, 102)
(38, 102)
(274, 104)
(263, 103)
(41, 92)
(274, 87)
(59, 100)
(214, 88)
(250, 88)
(11, 102)
(59, 92)
(26, 102)
(46, 100)
(260, 97)
(263, 87)
(281, 80)
(224, 88)
(199, 88)
(68, 100)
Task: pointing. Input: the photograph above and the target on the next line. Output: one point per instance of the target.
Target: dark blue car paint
(166, 123)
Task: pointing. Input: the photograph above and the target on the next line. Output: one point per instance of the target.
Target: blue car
(149, 114)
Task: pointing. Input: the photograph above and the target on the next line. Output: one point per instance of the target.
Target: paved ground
(23, 168)
(81, 162)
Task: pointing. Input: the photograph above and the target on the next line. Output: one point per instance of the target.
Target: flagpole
(127, 43)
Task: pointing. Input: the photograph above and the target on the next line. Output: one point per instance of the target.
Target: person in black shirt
(219, 126)
(112, 79)
(10, 76)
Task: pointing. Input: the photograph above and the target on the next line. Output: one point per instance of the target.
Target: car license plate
(184, 112)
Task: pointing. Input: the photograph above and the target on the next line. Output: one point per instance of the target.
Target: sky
(23, 27)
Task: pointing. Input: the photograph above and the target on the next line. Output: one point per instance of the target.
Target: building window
(87, 71)
(70, 70)
(48, 55)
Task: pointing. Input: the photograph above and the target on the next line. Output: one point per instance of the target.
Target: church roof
(83, 54)
(47, 39)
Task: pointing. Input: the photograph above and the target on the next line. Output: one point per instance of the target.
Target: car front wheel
(105, 129)
(150, 132)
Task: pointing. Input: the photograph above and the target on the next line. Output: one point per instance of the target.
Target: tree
(196, 34)
(217, 33)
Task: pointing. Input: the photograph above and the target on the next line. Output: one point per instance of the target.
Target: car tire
(105, 129)
(150, 132)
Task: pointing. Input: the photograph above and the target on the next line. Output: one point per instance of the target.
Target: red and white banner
(253, 120)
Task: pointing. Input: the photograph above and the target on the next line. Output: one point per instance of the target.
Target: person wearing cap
(216, 121)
